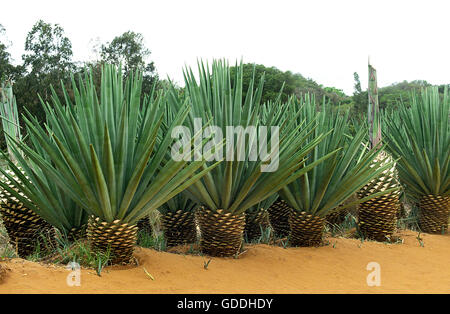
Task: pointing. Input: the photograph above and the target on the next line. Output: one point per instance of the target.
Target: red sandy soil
(337, 268)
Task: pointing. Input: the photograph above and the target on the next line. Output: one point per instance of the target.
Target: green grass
(151, 241)
(341, 230)
(266, 237)
(411, 221)
(80, 252)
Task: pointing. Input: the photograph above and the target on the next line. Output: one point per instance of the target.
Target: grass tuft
(150, 241)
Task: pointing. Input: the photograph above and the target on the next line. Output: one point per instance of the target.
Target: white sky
(324, 40)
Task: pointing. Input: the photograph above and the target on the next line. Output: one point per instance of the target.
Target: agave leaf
(419, 136)
(331, 183)
(106, 154)
(236, 185)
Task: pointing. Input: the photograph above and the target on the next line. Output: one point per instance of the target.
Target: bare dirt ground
(339, 267)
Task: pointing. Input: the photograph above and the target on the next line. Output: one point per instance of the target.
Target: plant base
(117, 237)
(306, 229)
(378, 217)
(254, 221)
(434, 214)
(279, 218)
(179, 227)
(221, 233)
(26, 230)
(144, 225)
(76, 234)
(337, 217)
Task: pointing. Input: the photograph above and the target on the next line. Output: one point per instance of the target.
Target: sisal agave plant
(242, 180)
(177, 215)
(178, 220)
(278, 211)
(378, 216)
(420, 137)
(106, 155)
(327, 186)
(24, 226)
(257, 218)
(45, 198)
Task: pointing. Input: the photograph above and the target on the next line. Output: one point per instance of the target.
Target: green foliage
(47, 49)
(179, 202)
(335, 96)
(80, 252)
(129, 50)
(47, 61)
(420, 137)
(59, 209)
(390, 97)
(359, 99)
(105, 152)
(4, 55)
(332, 182)
(239, 183)
(288, 83)
(6, 68)
(151, 241)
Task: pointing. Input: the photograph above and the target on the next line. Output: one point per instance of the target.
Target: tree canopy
(129, 49)
(7, 70)
(294, 84)
(47, 61)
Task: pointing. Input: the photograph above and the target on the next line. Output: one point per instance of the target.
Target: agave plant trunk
(26, 229)
(179, 227)
(144, 225)
(279, 214)
(306, 229)
(115, 237)
(76, 234)
(434, 214)
(221, 233)
(378, 216)
(337, 216)
(254, 223)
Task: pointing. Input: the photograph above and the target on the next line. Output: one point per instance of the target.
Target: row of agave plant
(102, 163)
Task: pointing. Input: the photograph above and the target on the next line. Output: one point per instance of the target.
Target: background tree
(359, 99)
(294, 83)
(391, 95)
(337, 96)
(7, 70)
(48, 62)
(129, 49)
(4, 56)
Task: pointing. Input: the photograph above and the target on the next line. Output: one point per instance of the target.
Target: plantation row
(103, 162)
